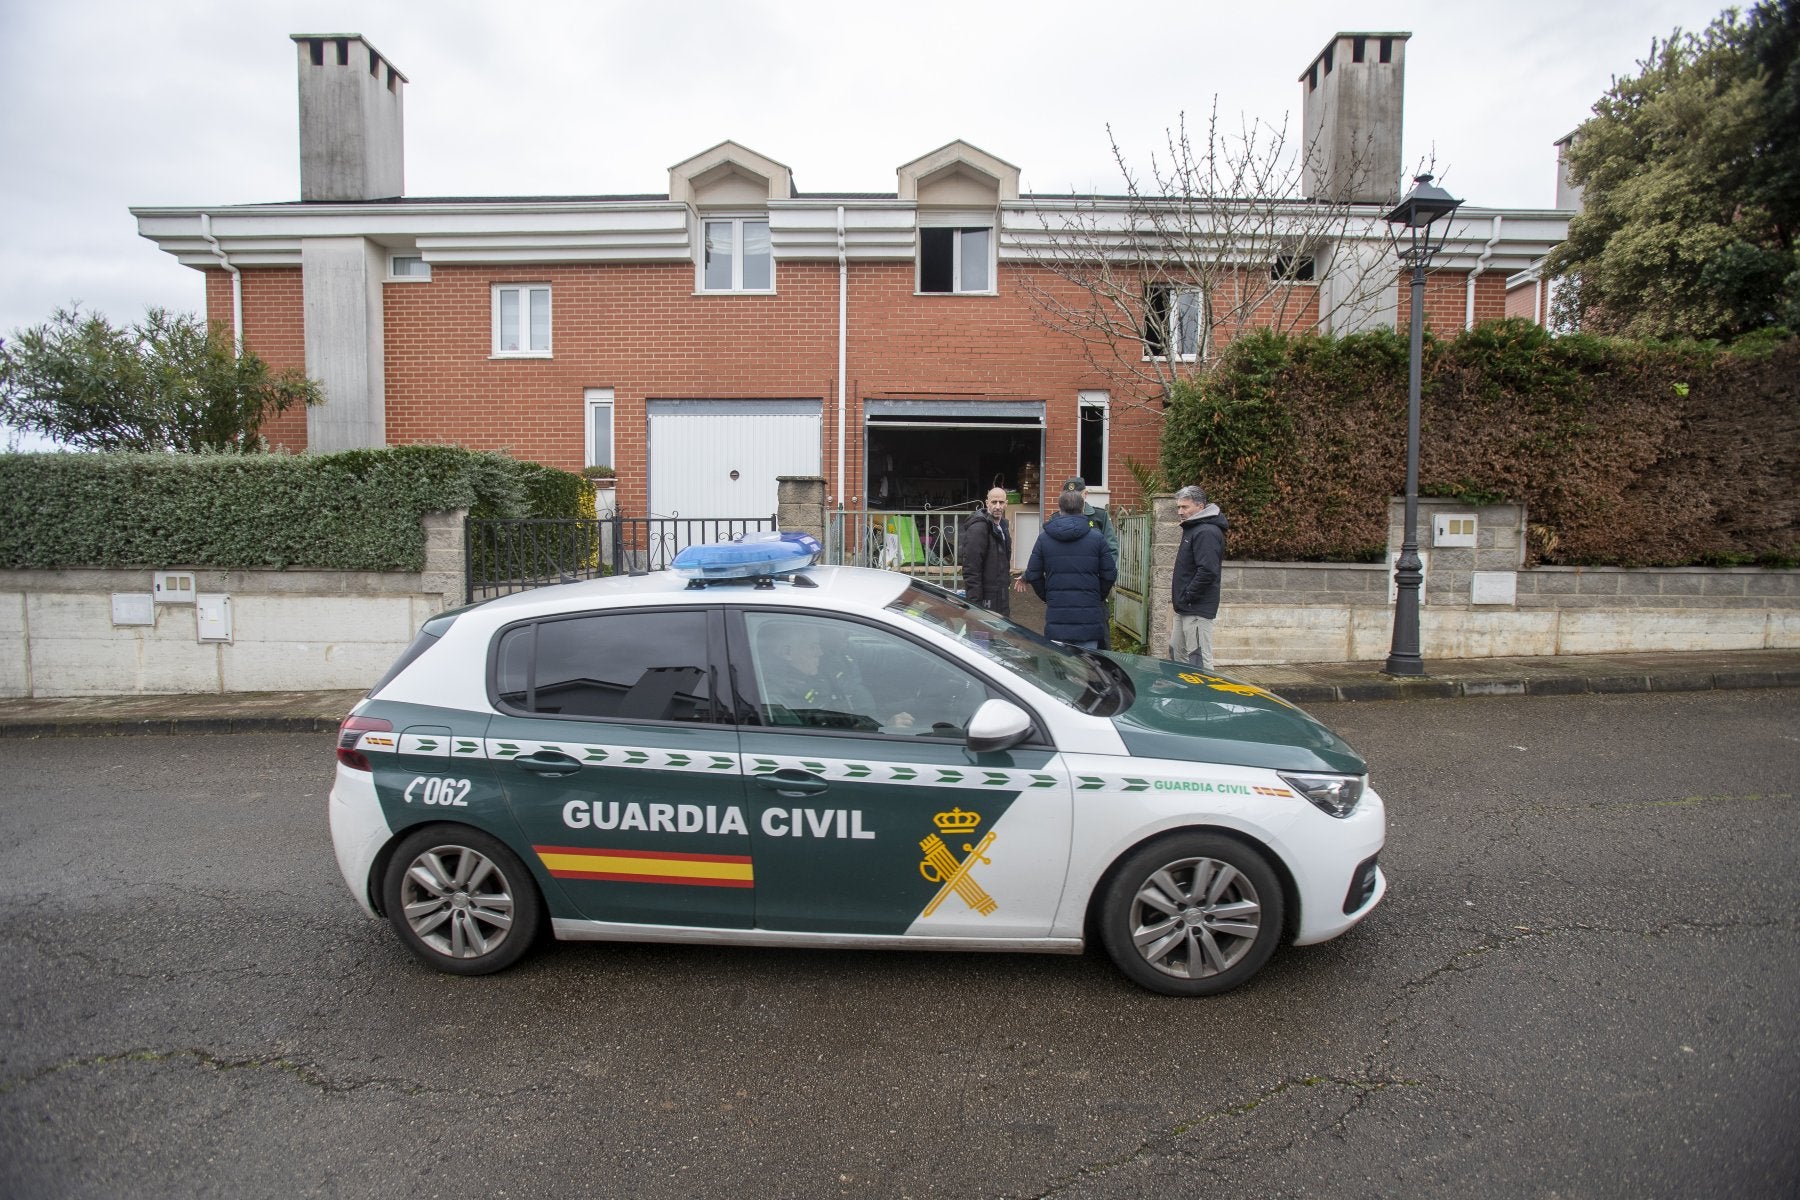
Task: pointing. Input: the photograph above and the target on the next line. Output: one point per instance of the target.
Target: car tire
(1192, 914)
(460, 900)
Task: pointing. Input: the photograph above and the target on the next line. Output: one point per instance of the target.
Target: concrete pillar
(1159, 608)
(445, 561)
(340, 282)
(800, 504)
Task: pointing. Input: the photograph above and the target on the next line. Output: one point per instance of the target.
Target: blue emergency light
(750, 557)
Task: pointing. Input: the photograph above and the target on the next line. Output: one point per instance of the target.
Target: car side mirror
(998, 725)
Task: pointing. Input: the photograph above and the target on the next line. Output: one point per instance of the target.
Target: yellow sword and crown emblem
(941, 866)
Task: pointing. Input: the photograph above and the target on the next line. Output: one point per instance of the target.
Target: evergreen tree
(167, 383)
(1691, 178)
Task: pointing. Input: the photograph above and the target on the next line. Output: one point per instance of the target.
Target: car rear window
(633, 666)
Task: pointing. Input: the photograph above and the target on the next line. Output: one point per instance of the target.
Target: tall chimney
(1354, 92)
(350, 119)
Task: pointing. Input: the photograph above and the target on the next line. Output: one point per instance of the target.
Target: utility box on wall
(212, 615)
(1453, 529)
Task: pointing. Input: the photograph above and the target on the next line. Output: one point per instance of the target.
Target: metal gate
(923, 543)
(1131, 594)
(505, 556)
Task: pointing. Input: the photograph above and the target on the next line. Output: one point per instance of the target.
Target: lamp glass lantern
(1418, 237)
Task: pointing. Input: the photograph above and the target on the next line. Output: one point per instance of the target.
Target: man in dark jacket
(1072, 570)
(1198, 565)
(987, 555)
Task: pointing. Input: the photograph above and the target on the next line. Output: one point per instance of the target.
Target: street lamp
(1412, 223)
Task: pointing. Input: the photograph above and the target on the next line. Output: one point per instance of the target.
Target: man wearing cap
(1199, 564)
(1096, 517)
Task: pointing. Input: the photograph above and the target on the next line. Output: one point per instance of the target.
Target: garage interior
(920, 460)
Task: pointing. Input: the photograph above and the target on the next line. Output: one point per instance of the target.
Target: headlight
(1334, 795)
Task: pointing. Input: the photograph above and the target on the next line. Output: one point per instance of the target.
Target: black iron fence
(514, 555)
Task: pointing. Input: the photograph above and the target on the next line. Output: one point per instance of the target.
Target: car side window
(628, 666)
(822, 673)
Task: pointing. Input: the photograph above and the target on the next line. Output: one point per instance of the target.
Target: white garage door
(720, 458)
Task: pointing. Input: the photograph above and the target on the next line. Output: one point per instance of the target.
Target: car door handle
(792, 783)
(549, 765)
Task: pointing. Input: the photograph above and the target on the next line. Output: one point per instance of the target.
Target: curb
(1560, 685)
(166, 726)
(1671, 679)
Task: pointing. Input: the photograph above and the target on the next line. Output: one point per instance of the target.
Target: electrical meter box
(212, 614)
(1453, 529)
(174, 587)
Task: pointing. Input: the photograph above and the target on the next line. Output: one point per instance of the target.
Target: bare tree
(1222, 235)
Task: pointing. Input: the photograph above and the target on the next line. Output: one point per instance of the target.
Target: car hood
(1181, 712)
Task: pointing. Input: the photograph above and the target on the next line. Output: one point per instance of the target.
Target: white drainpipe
(1487, 252)
(237, 283)
(843, 336)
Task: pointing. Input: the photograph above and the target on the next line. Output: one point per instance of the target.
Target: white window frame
(1173, 332)
(957, 229)
(525, 291)
(599, 403)
(737, 224)
(423, 275)
(1085, 401)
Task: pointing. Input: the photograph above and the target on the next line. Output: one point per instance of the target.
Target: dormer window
(735, 255)
(953, 260)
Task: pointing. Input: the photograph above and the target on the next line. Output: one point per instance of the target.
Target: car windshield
(1078, 678)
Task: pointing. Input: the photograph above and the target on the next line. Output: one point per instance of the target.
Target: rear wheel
(460, 900)
(1193, 914)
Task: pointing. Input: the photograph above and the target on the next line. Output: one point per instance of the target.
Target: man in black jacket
(987, 555)
(1198, 565)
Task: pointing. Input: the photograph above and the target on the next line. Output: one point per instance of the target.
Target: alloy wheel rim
(1195, 918)
(457, 901)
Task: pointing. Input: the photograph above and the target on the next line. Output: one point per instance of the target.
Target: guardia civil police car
(837, 757)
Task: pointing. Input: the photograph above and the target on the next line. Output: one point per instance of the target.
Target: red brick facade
(642, 331)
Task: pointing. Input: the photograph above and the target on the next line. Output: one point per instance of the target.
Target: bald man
(987, 555)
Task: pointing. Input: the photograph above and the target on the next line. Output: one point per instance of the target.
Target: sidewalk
(1315, 683)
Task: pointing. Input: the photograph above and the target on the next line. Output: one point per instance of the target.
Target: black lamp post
(1412, 223)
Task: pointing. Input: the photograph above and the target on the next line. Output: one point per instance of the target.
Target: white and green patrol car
(838, 757)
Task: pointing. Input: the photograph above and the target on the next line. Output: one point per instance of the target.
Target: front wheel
(1193, 914)
(460, 900)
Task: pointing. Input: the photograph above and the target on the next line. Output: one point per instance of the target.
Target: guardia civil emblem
(941, 866)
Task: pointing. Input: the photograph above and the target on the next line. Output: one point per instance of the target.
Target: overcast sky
(106, 104)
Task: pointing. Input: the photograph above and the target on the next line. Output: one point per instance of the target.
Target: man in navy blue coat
(1072, 569)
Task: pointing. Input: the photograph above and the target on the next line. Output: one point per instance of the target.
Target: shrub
(354, 510)
(1624, 453)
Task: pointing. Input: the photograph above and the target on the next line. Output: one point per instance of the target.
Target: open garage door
(938, 454)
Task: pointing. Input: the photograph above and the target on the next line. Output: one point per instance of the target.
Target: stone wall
(290, 629)
(1480, 602)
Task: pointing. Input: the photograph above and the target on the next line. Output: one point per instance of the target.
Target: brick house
(705, 339)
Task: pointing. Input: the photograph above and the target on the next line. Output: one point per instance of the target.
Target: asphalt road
(1582, 984)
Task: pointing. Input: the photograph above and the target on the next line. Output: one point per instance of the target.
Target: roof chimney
(350, 119)
(1354, 93)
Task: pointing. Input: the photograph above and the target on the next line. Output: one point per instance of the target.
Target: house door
(720, 458)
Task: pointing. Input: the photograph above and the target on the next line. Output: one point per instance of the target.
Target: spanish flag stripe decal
(647, 866)
(669, 855)
(624, 878)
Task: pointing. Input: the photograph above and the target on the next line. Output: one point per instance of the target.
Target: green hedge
(355, 510)
(1624, 453)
